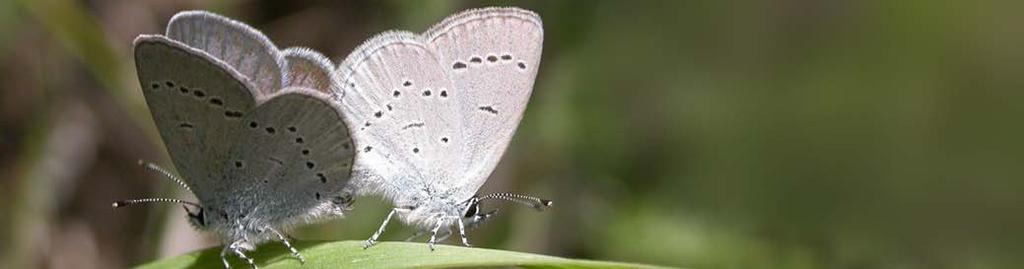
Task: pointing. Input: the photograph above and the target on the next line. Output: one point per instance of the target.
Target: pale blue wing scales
(195, 101)
(492, 56)
(310, 69)
(245, 49)
(293, 158)
(402, 111)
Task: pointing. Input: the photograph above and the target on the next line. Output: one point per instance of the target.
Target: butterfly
(252, 129)
(431, 114)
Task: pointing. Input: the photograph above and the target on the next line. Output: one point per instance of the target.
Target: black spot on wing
(233, 114)
(412, 125)
(488, 109)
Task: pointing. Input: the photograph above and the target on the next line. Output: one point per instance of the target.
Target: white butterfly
(432, 114)
(251, 129)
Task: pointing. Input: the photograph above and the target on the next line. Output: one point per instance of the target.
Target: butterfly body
(431, 208)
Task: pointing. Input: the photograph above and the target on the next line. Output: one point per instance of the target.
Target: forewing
(195, 101)
(404, 115)
(292, 158)
(492, 56)
(245, 49)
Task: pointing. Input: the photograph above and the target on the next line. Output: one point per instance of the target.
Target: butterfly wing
(195, 101)
(245, 49)
(436, 111)
(239, 155)
(309, 69)
(492, 56)
(404, 115)
(292, 158)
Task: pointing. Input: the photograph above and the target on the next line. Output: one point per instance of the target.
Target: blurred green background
(705, 134)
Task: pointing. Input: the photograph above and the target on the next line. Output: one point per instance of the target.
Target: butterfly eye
(474, 207)
(197, 218)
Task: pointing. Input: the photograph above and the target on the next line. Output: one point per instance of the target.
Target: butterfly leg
(238, 252)
(422, 232)
(373, 239)
(241, 254)
(284, 239)
(224, 257)
(462, 232)
(433, 235)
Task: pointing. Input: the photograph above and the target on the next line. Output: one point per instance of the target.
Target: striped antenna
(163, 172)
(160, 171)
(536, 203)
(131, 202)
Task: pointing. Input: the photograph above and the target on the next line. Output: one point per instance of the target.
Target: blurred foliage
(723, 134)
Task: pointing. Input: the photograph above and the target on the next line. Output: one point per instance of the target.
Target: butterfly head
(196, 216)
(473, 216)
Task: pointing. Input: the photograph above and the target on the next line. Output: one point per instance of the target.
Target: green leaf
(350, 254)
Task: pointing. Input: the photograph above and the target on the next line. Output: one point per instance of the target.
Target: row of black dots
(200, 95)
(490, 58)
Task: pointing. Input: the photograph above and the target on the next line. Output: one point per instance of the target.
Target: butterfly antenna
(534, 202)
(160, 171)
(163, 172)
(131, 202)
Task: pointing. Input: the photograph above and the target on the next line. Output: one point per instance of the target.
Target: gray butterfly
(431, 114)
(251, 129)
